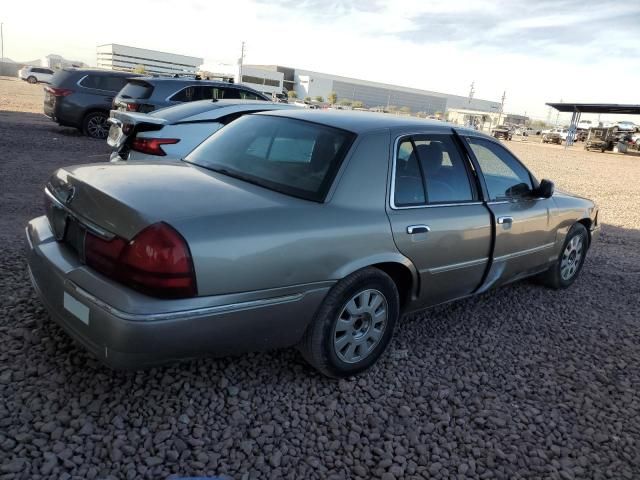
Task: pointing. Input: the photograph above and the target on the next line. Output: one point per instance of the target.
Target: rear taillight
(132, 107)
(152, 146)
(58, 92)
(156, 262)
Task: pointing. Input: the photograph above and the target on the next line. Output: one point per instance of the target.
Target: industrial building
(307, 83)
(124, 58)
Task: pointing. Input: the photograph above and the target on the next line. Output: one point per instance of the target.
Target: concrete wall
(8, 69)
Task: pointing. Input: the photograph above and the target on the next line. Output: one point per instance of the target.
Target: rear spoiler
(134, 118)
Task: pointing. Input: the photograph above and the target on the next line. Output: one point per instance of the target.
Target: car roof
(203, 110)
(97, 70)
(362, 122)
(189, 80)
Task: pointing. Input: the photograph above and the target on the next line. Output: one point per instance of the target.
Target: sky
(535, 51)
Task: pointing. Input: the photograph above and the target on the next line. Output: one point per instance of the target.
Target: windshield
(290, 156)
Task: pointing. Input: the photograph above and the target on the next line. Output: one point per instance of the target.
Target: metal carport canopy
(578, 109)
(613, 108)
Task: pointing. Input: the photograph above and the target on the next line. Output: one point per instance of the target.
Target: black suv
(83, 98)
(151, 93)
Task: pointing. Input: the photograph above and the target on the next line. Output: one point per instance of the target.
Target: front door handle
(411, 229)
(503, 220)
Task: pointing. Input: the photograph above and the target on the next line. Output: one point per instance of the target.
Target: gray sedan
(295, 228)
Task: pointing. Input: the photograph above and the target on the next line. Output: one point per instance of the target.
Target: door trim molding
(522, 253)
(458, 266)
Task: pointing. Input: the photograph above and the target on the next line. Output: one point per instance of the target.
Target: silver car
(171, 133)
(295, 228)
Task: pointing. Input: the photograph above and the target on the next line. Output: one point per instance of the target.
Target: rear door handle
(411, 229)
(503, 220)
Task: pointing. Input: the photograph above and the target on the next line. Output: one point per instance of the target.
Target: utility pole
(504, 95)
(240, 63)
(471, 91)
(558, 115)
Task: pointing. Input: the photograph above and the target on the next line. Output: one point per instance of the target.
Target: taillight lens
(132, 107)
(152, 146)
(156, 262)
(58, 92)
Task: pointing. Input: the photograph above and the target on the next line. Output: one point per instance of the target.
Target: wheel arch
(401, 270)
(586, 221)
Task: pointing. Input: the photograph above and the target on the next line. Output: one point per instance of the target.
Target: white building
(307, 83)
(265, 81)
(54, 61)
(121, 57)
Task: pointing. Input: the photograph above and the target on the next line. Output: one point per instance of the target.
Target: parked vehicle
(295, 227)
(151, 93)
(502, 131)
(626, 126)
(601, 138)
(171, 133)
(82, 98)
(35, 74)
(555, 135)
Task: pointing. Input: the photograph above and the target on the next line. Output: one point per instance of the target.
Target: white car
(626, 126)
(171, 133)
(35, 74)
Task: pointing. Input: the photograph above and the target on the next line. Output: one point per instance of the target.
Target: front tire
(569, 264)
(354, 325)
(31, 79)
(95, 125)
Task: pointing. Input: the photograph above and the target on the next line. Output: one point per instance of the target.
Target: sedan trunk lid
(122, 198)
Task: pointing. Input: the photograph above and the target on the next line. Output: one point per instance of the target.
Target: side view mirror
(545, 189)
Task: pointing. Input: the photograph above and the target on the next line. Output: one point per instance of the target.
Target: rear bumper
(152, 331)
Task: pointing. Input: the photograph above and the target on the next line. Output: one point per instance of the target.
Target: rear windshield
(136, 90)
(290, 156)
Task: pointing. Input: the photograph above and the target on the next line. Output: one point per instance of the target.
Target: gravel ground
(522, 382)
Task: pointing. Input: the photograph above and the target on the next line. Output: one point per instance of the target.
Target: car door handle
(411, 229)
(503, 220)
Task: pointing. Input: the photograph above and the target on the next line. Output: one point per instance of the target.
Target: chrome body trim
(521, 253)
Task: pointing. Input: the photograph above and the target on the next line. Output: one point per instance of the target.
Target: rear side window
(244, 95)
(188, 94)
(136, 90)
(290, 156)
(430, 169)
(104, 82)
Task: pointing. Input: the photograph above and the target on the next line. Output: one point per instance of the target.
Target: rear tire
(95, 125)
(566, 269)
(31, 79)
(354, 324)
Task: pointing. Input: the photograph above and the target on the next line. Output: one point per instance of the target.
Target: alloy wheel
(571, 258)
(97, 127)
(360, 326)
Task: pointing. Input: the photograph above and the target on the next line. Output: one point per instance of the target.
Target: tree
(391, 108)
(357, 104)
(332, 98)
(292, 94)
(307, 98)
(320, 99)
(345, 102)
(139, 69)
(406, 110)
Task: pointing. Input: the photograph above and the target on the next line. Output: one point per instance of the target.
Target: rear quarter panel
(305, 243)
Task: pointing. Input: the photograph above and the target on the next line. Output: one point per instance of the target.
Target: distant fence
(9, 69)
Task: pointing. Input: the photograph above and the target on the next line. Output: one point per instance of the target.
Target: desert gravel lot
(522, 382)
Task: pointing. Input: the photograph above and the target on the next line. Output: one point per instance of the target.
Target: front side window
(430, 170)
(504, 175)
(290, 156)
